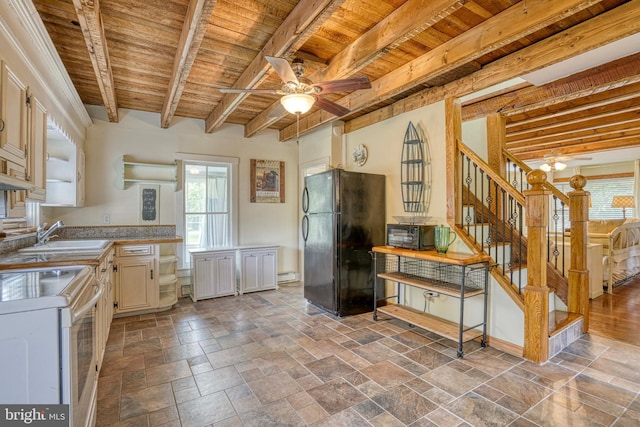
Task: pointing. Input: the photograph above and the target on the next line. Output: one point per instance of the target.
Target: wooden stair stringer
(496, 273)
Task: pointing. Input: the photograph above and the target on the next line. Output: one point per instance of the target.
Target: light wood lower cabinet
(136, 283)
(104, 312)
(145, 277)
(214, 273)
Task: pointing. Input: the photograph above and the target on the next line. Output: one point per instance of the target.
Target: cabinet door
(203, 278)
(213, 275)
(13, 112)
(135, 288)
(269, 271)
(36, 165)
(225, 275)
(250, 274)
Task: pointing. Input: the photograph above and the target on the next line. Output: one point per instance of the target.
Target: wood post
(578, 293)
(536, 293)
(453, 117)
(496, 142)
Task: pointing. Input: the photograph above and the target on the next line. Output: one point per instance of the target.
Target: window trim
(183, 158)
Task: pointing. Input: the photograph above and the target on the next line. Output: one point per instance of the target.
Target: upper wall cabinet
(37, 139)
(13, 113)
(65, 173)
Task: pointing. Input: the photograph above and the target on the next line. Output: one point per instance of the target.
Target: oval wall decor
(415, 171)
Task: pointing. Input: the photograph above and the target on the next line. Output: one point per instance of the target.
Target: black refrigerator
(344, 217)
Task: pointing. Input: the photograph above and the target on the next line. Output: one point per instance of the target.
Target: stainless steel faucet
(43, 236)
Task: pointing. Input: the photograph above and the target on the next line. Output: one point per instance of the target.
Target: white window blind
(602, 192)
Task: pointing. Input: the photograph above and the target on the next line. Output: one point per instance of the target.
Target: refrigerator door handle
(305, 200)
(305, 229)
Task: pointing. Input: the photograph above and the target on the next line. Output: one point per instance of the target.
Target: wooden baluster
(578, 293)
(536, 293)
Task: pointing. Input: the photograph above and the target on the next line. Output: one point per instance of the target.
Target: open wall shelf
(139, 172)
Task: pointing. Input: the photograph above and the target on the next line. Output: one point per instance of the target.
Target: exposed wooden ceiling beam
(195, 25)
(594, 80)
(575, 110)
(587, 121)
(298, 26)
(585, 145)
(627, 122)
(615, 24)
(405, 22)
(524, 18)
(90, 20)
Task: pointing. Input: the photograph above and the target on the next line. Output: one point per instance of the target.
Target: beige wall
(139, 135)
(384, 144)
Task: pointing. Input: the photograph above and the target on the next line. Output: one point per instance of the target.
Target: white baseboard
(289, 276)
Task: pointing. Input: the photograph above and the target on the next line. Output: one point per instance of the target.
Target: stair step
(560, 320)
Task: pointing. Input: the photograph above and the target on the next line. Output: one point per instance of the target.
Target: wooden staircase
(486, 224)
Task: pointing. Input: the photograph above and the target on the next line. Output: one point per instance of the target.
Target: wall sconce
(623, 202)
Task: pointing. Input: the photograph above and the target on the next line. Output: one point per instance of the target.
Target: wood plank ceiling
(172, 56)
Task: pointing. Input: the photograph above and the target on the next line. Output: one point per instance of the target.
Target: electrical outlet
(106, 219)
(431, 294)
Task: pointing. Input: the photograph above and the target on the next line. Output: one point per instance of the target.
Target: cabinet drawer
(135, 250)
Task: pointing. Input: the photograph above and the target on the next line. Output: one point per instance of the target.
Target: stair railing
(557, 228)
(493, 216)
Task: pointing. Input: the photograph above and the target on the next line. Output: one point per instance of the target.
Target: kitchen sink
(67, 246)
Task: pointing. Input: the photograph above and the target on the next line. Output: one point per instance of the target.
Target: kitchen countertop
(15, 259)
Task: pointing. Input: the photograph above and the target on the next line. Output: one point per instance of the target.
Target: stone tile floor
(270, 359)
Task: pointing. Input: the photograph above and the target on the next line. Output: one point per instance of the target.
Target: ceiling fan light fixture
(559, 166)
(553, 166)
(297, 103)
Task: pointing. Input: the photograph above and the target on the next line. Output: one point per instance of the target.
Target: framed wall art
(267, 181)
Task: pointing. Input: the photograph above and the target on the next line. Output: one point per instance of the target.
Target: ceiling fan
(557, 162)
(300, 94)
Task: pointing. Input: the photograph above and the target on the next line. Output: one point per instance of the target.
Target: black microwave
(409, 236)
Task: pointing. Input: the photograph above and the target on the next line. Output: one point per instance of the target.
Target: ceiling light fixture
(553, 166)
(297, 103)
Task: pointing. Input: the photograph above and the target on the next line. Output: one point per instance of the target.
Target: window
(207, 208)
(602, 192)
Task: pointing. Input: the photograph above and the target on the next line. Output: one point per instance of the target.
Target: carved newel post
(536, 293)
(578, 294)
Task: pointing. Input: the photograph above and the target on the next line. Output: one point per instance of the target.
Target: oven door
(79, 354)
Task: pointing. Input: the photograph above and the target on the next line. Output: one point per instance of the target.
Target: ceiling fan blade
(283, 68)
(331, 107)
(564, 157)
(234, 90)
(333, 86)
